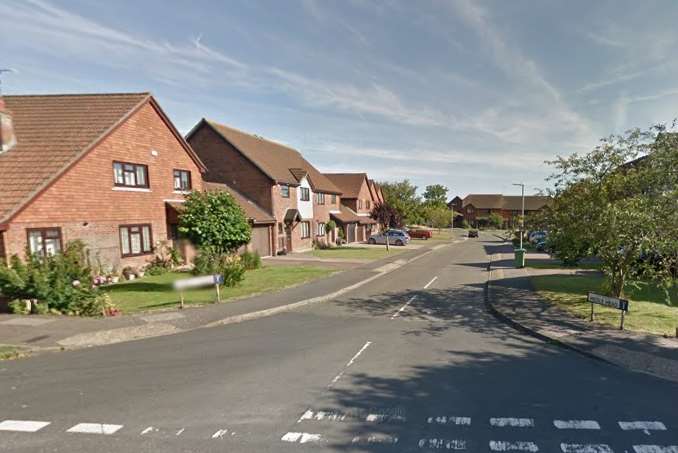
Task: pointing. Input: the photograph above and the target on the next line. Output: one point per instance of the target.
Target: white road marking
(219, 434)
(323, 415)
(94, 428)
(512, 422)
(375, 439)
(26, 426)
(442, 444)
(585, 448)
(350, 362)
(291, 437)
(576, 424)
(444, 420)
(180, 431)
(303, 438)
(380, 418)
(655, 449)
(148, 430)
(500, 445)
(431, 282)
(396, 314)
(645, 426)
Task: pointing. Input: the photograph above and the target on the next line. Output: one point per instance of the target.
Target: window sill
(182, 192)
(131, 189)
(132, 255)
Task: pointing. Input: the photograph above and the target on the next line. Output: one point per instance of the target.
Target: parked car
(418, 233)
(536, 237)
(395, 237)
(473, 233)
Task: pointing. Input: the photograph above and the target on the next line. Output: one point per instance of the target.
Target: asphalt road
(411, 362)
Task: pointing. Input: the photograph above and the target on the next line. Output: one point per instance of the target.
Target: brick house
(101, 168)
(476, 208)
(262, 222)
(275, 177)
(358, 199)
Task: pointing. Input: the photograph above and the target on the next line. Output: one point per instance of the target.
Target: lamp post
(522, 211)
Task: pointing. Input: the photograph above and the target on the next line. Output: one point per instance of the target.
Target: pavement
(409, 362)
(37, 334)
(512, 298)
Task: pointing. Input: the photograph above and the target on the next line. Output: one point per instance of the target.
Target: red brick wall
(85, 205)
(321, 213)
(225, 164)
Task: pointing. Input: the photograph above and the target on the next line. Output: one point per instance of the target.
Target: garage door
(260, 240)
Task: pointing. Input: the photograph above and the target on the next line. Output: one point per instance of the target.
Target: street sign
(198, 282)
(612, 302)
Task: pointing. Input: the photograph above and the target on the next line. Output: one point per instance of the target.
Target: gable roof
(274, 159)
(510, 202)
(348, 183)
(252, 210)
(54, 131)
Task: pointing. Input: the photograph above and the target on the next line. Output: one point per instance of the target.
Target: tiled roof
(252, 210)
(52, 132)
(346, 215)
(348, 183)
(274, 159)
(509, 202)
(298, 173)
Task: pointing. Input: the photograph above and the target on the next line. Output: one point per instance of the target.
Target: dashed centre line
(350, 362)
(643, 425)
(302, 438)
(431, 282)
(396, 314)
(445, 420)
(442, 444)
(655, 449)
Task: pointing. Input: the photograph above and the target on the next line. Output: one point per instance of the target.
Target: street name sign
(613, 302)
(198, 282)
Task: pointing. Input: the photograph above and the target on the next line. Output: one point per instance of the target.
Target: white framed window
(44, 241)
(284, 190)
(322, 229)
(305, 229)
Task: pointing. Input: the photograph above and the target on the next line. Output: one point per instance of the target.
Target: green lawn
(353, 253)
(154, 292)
(648, 311)
(555, 264)
(443, 235)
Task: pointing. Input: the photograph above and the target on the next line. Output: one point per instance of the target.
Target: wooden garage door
(260, 240)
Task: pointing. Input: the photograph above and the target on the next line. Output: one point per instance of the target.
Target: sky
(475, 95)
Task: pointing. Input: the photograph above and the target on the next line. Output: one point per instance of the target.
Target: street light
(522, 212)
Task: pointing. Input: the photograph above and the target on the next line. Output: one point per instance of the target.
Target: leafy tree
(435, 195)
(386, 215)
(402, 196)
(495, 220)
(439, 217)
(214, 221)
(620, 202)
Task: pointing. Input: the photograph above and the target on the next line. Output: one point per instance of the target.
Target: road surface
(410, 362)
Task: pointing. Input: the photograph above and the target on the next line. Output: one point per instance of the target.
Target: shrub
(230, 266)
(61, 283)
(250, 260)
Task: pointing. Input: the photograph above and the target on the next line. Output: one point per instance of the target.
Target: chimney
(7, 137)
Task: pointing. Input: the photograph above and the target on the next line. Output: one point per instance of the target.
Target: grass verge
(648, 311)
(355, 253)
(155, 292)
(554, 264)
(9, 352)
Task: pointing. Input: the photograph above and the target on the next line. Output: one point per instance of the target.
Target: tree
(386, 215)
(620, 203)
(435, 195)
(495, 220)
(402, 196)
(214, 221)
(439, 217)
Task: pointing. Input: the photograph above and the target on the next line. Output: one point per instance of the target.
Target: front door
(288, 237)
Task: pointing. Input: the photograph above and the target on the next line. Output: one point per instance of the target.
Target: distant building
(476, 208)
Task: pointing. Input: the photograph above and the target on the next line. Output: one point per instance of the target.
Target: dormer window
(182, 180)
(126, 174)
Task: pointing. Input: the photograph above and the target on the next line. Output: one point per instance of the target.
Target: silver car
(395, 237)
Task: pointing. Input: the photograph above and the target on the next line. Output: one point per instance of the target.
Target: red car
(420, 234)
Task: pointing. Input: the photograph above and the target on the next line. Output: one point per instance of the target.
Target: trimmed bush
(250, 260)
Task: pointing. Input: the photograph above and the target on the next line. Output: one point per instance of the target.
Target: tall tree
(620, 203)
(402, 196)
(436, 195)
